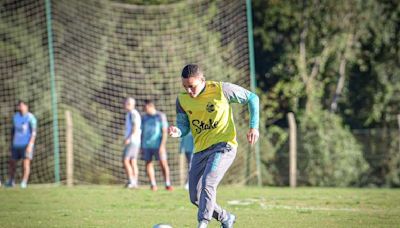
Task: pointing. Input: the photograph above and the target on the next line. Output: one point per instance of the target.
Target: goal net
(105, 51)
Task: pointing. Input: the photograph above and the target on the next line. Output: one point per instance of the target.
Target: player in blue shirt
(154, 141)
(187, 148)
(23, 142)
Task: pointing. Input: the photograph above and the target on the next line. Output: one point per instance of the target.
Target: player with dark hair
(23, 142)
(204, 108)
(154, 142)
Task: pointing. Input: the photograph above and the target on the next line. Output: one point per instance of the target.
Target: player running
(205, 110)
(23, 142)
(131, 142)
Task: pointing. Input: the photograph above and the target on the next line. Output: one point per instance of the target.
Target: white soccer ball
(161, 225)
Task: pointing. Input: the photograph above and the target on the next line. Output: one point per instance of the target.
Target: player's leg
(12, 165)
(151, 175)
(129, 172)
(165, 169)
(135, 171)
(148, 157)
(26, 163)
(217, 165)
(127, 165)
(133, 154)
(197, 168)
(188, 160)
(199, 162)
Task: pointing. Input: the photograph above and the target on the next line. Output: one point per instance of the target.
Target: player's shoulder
(31, 116)
(135, 112)
(16, 115)
(182, 95)
(161, 114)
(213, 85)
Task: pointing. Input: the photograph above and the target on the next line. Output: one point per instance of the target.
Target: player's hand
(252, 136)
(174, 131)
(127, 141)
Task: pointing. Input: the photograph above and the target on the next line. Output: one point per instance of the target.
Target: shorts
(18, 153)
(131, 151)
(148, 155)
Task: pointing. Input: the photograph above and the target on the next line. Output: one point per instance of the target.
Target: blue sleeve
(182, 120)
(33, 122)
(238, 94)
(254, 109)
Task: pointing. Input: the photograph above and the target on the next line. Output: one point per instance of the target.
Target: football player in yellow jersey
(204, 109)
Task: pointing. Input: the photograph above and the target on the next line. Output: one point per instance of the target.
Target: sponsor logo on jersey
(210, 107)
(201, 126)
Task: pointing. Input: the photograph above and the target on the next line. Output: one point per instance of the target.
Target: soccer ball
(162, 226)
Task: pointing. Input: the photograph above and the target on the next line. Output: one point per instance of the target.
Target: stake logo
(201, 126)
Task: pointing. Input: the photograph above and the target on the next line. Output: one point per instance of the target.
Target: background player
(187, 148)
(131, 142)
(23, 141)
(154, 141)
(205, 110)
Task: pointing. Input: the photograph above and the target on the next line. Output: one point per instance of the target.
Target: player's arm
(33, 127)
(134, 129)
(164, 136)
(182, 122)
(240, 95)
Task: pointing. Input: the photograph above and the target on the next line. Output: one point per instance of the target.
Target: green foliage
(304, 48)
(329, 155)
(105, 51)
(381, 150)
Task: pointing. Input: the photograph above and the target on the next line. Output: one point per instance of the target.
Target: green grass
(112, 206)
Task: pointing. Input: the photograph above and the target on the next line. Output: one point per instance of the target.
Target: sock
(167, 183)
(203, 224)
(153, 183)
(132, 181)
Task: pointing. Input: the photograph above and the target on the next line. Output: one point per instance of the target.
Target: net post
(292, 150)
(69, 148)
(253, 79)
(53, 93)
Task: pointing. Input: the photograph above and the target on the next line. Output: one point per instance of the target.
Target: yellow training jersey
(210, 117)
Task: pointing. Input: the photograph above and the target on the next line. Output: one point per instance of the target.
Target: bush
(329, 155)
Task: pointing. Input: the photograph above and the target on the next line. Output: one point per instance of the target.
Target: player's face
(193, 85)
(128, 105)
(23, 108)
(149, 108)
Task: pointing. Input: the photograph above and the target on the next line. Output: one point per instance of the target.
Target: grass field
(113, 206)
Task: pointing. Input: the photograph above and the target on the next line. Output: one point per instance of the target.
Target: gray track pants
(207, 169)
